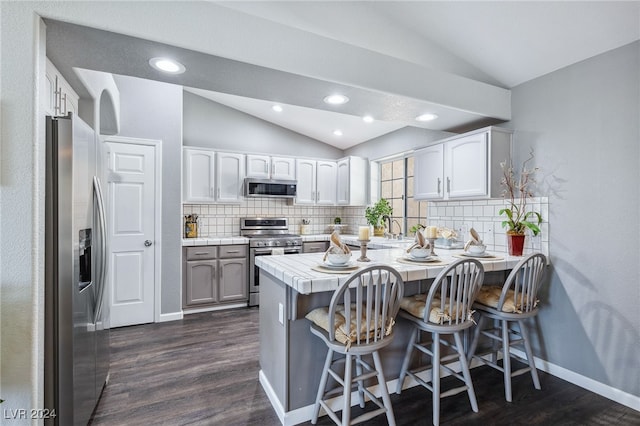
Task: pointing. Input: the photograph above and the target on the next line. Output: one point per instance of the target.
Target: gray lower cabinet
(315, 247)
(214, 275)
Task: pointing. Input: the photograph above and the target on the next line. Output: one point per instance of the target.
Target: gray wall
(152, 110)
(210, 124)
(582, 122)
(401, 140)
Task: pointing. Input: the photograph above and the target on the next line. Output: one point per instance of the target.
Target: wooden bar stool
(449, 312)
(510, 304)
(359, 321)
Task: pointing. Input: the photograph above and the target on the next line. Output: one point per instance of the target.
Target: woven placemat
(491, 258)
(322, 268)
(415, 262)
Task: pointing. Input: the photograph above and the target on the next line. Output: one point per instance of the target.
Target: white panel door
(131, 215)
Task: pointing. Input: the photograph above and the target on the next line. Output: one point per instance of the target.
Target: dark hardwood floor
(203, 370)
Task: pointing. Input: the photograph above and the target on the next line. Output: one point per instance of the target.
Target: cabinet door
(466, 165)
(258, 166)
(229, 177)
(306, 176)
(342, 191)
(233, 279)
(198, 176)
(315, 247)
(428, 182)
(326, 182)
(201, 282)
(283, 168)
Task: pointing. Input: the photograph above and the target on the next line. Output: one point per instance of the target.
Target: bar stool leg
(506, 360)
(322, 386)
(346, 396)
(360, 382)
(407, 359)
(435, 382)
(382, 383)
(465, 372)
(527, 347)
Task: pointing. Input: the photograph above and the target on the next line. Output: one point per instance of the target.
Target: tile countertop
(214, 241)
(295, 270)
(375, 243)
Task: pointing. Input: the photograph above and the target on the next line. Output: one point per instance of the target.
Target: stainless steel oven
(266, 237)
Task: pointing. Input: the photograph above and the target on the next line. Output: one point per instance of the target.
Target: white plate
(349, 264)
(485, 254)
(422, 259)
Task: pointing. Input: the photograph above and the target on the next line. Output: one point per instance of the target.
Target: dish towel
(277, 251)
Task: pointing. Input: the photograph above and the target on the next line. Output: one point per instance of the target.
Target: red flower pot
(515, 243)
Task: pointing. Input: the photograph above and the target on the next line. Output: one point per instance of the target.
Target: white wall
(210, 124)
(405, 139)
(582, 123)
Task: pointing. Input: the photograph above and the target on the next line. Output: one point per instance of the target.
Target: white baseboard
(214, 308)
(621, 397)
(171, 316)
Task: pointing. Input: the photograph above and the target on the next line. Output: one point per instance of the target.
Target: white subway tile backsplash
(224, 220)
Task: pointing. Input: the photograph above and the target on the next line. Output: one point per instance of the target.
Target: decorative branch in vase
(517, 191)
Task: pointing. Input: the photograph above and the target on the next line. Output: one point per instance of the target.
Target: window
(396, 185)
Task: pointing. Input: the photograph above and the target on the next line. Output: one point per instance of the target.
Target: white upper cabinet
(306, 176)
(326, 183)
(230, 172)
(60, 98)
(429, 173)
(198, 177)
(316, 182)
(462, 167)
(352, 182)
(267, 167)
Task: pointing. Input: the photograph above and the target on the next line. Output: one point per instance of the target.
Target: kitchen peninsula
(291, 358)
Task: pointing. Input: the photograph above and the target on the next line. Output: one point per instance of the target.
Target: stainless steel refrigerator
(76, 309)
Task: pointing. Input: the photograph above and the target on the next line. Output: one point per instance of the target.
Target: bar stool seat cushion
(320, 317)
(415, 305)
(490, 296)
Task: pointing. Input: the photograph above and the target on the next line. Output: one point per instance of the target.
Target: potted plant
(517, 191)
(375, 213)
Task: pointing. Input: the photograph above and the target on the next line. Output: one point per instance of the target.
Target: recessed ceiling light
(336, 99)
(167, 65)
(367, 119)
(426, 117)
(337, 132)
(277, 108)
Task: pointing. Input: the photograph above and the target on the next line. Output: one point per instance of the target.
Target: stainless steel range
(267, 236)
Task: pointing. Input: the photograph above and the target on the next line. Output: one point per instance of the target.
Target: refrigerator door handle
(100, 288)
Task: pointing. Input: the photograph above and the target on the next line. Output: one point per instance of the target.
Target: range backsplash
(223, 220)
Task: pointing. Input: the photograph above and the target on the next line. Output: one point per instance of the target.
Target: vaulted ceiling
(394, 60)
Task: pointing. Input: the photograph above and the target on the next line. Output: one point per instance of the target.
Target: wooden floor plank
(203, 370)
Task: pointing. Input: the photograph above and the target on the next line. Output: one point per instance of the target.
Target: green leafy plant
(415, 228)
(337, 221)
(374, 213)
(517, 191)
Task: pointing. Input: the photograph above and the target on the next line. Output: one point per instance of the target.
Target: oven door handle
(268, 251)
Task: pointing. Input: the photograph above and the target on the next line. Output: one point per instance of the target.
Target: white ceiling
(459, 59)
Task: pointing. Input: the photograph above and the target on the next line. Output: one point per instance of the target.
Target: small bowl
(338, 259)
(476, 249)
(420, 253)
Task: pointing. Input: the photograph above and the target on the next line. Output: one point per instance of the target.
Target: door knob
(147, 243)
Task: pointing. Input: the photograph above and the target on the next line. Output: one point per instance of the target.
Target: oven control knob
(260, 243)
(289, 243)
(277, 243)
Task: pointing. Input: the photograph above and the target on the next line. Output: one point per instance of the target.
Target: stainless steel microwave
(270, 188)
